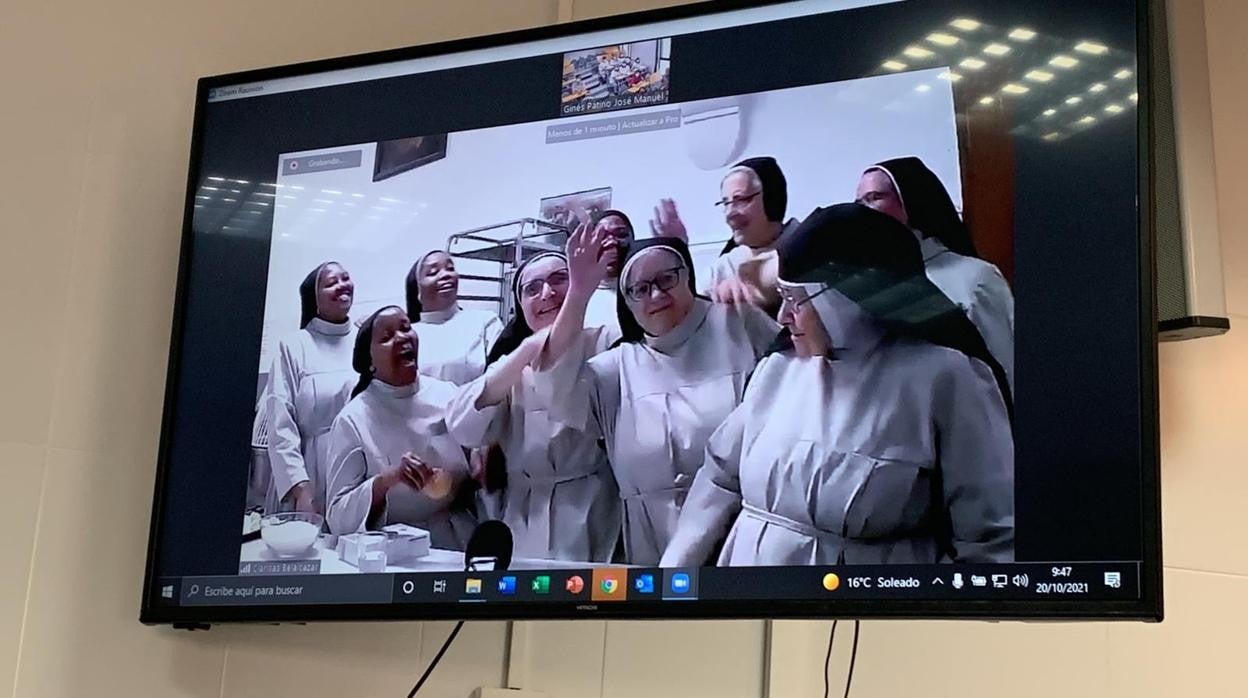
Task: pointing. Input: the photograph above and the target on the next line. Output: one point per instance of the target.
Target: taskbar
(1101, 581)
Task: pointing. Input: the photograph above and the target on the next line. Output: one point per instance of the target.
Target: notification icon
(575, 584)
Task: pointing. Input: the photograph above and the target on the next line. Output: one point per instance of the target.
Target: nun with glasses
(754, 198)
(309, 381)
(560, 499)
(911, 193)
(657, 395)
(392, 459)
(454, 341)
(877, 431)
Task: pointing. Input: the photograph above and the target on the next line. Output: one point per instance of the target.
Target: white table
(438, 560)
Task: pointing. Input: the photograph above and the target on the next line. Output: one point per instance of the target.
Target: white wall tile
(1204, 450)
(681, 659)
(360, 659)
(23, 466)
(1197, 651)
(82, 634)
(565, 658)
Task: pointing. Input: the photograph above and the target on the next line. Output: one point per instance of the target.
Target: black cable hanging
(436, 658)
(827, 661)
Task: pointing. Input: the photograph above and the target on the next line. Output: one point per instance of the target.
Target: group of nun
(839, 391)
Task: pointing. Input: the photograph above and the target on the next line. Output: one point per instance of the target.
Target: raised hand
(666, 222)
(586, 268)
(736, 291)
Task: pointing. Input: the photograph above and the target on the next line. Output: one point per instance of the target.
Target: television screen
(740, 309)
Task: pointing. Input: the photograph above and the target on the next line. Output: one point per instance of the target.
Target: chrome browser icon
(610, 585)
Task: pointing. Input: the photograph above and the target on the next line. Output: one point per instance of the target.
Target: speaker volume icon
(1021, 580)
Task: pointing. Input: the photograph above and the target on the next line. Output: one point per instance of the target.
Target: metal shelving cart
(506, 245)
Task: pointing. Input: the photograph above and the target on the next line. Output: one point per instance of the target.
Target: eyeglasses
(793, 302)
(664, 281)
(872, 198)
(533, 287)
(738, 201)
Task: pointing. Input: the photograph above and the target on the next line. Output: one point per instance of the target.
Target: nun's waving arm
(290, 475)
(586, 269)
(976, 462)
(714, 498)
(666, 222)
(505, 374)
(477, 414)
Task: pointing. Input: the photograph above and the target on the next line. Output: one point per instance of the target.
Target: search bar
(287, 590)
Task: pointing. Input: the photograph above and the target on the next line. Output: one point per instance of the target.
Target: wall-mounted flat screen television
(827, 308)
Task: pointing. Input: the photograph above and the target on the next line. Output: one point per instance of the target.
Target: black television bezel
(1148, 607)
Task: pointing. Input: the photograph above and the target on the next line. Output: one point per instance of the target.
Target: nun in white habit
(907, 190)
(560, 499)
(454, 341)
(309, 381)
(879, 432)
(656, 396)
(754, 199)
(391, 457)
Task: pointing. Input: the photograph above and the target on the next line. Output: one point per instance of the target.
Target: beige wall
(95, 123)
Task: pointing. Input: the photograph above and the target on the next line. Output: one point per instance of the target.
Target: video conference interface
(664, 340)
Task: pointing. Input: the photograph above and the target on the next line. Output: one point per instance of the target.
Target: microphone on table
(489, 548)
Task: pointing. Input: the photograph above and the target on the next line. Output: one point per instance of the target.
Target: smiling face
(657, 290)
(439, 284)
(542, 287)
(876, 190)
(742, 202)
(393, 348)
(619, 236)
(334, 293)
(797, 313)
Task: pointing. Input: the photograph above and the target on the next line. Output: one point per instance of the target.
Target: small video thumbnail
(616, 77)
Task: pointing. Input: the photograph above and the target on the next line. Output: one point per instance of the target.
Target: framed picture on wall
(570, 209)
(403, 154)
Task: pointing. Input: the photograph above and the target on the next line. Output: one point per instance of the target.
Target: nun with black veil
(454, 340)
(658, 394)
(907, 190)
(309, 381)
(392, 459)
(878, 430)
(754, 198)
(559, 498)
